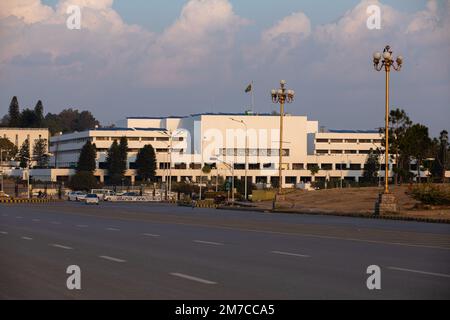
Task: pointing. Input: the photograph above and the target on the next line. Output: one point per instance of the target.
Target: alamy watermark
(74, 280)
(374, 280)
(373, 22)
(73, 21)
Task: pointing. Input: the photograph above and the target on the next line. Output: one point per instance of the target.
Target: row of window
(129, 139)
(252, 152)
(324, 151)
(322, 140)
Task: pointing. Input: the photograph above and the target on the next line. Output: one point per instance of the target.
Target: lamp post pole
(246, 155)
(281, 96)
(387, 61)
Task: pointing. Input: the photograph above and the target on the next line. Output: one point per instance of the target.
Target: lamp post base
(386, 203)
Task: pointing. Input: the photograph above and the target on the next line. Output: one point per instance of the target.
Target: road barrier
(199, 204)
(32, 200)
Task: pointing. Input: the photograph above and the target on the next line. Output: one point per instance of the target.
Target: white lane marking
(35, 220)
(421, 272)
(290, 254)
(188, 277)
(209, 242)
(112, 259)
(61, 246)
(82, 225)
(5, 214)
(56, 222)
(150, 235)
(112, 229)
(19, 217)
(27, 238)
(3, 232)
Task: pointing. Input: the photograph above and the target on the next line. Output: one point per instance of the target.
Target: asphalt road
(160, 251)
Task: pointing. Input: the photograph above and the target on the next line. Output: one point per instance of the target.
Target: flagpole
(253, 98)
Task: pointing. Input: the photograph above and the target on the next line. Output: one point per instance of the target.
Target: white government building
(184, 143)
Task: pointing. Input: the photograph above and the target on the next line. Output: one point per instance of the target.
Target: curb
(340, 214)
(12, 201)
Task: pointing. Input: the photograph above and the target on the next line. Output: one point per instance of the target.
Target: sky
(158, 58)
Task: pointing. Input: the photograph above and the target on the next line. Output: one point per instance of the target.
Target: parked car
(91, 198)
(3, 195)
(76, 196)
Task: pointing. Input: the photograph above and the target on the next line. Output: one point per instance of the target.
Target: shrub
(432, 194)
(83, 180)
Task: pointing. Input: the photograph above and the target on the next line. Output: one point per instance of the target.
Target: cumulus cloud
(29, 11)
(202, 45)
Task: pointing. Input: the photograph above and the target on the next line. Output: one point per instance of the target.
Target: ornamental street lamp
(281, 96)
(386, 60)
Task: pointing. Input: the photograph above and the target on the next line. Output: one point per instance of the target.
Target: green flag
(249, 88)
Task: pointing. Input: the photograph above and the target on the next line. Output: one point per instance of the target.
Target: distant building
(183, 144)
(19, 135)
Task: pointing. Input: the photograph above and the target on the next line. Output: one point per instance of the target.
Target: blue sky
(158, 14)
(156, 58)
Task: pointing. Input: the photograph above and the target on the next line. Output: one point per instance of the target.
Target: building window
(364, 151)
(180, 165)
(290, 180)
(133, 138)
(350, 151)
(164, 165)
(322, 151)
(351, 140)
(162, 150)
(267, 165)
(162, 138)
(309, 166)
(298, 166)
(336, 151)
(195, 166)
(321, 140)
(365, 141)
(355, 166)
(147, 138)
(336, 140)
(254, 166)
(239, 166)
(326, 166)
(341, 166)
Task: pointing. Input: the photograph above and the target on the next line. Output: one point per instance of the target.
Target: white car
(91, 198)
(76, 196)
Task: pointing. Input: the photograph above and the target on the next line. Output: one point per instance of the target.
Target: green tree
(417, 143)
(314, 169)
(83, 180)
(86, 160)
(14, 113)
(441, 157)
(8, 149)
(399, 122)
(39, 115)
(114, 164)
(123, 152)
(28, 119)
(40, 154)
(24, 154)
(146, 163)
(371, 167)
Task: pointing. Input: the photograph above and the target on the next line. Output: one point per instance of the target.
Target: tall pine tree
(40, 153)
(24, 154)
(114, 164)
(14, 113)
(39, 115)
(146, 163)
(371, 167)
(86, 160)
